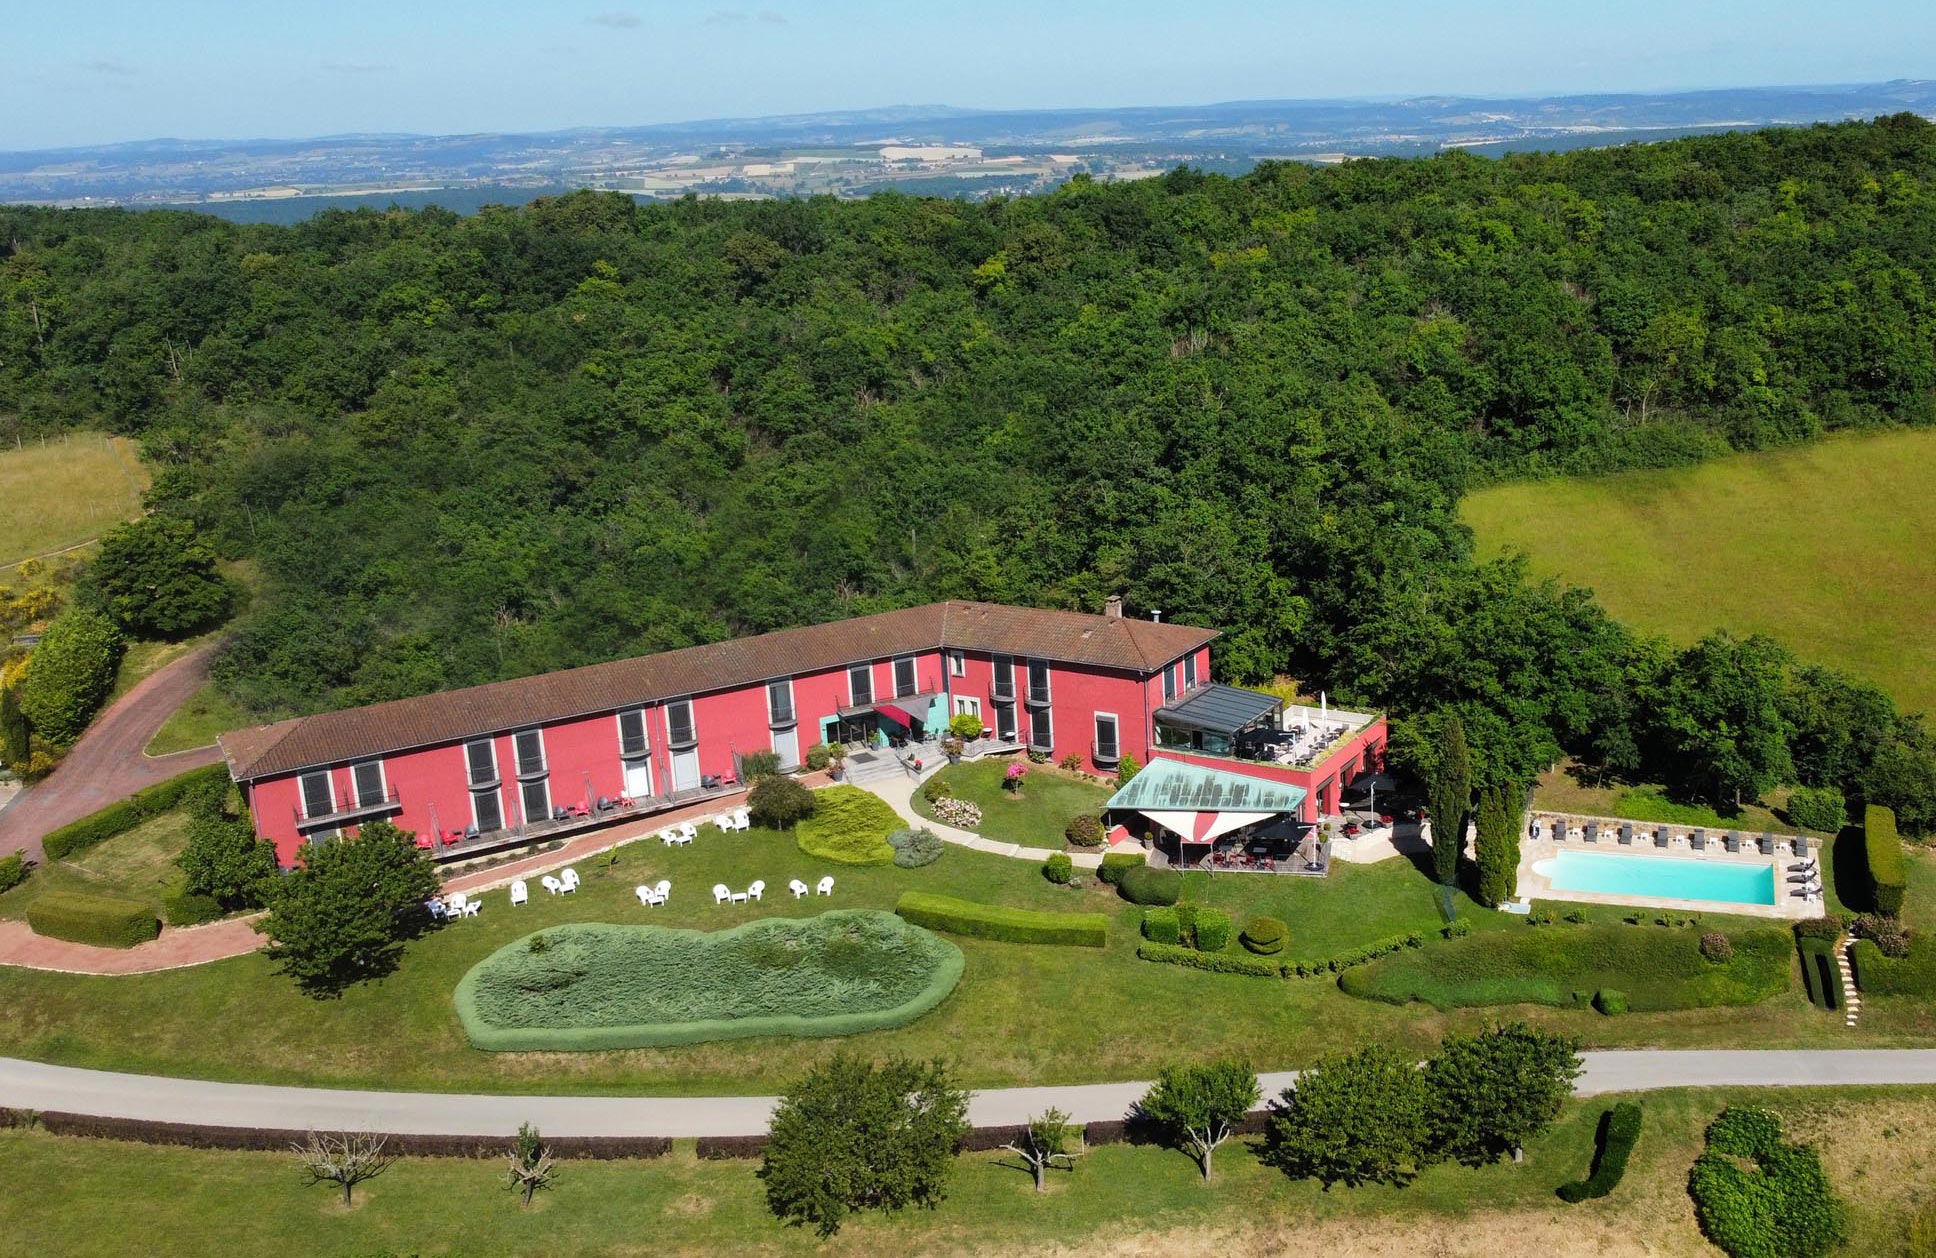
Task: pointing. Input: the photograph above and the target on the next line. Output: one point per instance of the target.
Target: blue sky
(97, 71)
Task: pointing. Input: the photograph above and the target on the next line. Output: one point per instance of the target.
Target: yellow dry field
(66, 493)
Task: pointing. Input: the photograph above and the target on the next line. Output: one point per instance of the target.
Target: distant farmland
(1830, 548)
(64, 493)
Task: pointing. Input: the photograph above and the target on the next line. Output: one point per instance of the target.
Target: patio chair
(668, 837)
(798, 888)
(436, 908)
(720, 894)
(1591, 832)
(473, 907)
(1731, 841)
(1697, 839)
(825, 886)
(454, 902)
(688, 832)
(1661, 836)
(742, 819)
(570, 878)
(551, 884)
(1626, 834)
(427, 843)
(519, 892)
(757, 890)
(646, 896)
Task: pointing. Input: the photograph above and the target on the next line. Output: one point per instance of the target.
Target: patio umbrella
(1372, 782)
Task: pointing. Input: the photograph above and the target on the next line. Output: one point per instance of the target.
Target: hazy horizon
(128, 72)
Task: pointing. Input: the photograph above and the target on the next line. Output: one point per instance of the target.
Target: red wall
(1323, 784)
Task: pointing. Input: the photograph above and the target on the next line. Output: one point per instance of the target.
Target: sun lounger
(1731, 841)
(1697, 840)
(1591, 832)
(1660, 836)
(519, 892)
(1559, 829)
(1801, 846)
(1626, 834)
(1767, 844)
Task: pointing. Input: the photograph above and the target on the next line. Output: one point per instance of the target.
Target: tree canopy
(344, 914)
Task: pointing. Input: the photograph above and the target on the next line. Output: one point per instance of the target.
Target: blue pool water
(1663, 878)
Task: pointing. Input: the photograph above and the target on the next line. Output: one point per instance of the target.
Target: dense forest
(466, 448)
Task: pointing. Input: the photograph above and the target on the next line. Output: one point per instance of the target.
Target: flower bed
(958, 812)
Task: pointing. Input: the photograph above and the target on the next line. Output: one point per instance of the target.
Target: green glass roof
(1172, 785)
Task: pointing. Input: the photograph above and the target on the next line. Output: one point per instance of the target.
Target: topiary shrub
(817, 756)
(848, 825)
(1160, 925)
(1613, 1146)
(1610, 1001)
(994, 921)
(13, 870)
(780, 803)
(102, 920)
(1116, 864)
(1059, 869)
(1265, 936)
(1214, 962)
(1783, 1208)
(1212, 930)
(1888, 877)
(1084, 830)
(1142, 884)
(936, 789)
(185, 908)
(915, 848)
(1817, 808)
(1717, 947)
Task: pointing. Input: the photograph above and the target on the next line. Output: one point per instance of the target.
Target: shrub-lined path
(108, 763)
(37, 1086)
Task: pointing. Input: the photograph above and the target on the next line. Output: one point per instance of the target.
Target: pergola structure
(1214, 717)
(1197, 804)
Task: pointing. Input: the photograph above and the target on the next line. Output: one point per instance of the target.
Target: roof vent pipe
(1156, 614)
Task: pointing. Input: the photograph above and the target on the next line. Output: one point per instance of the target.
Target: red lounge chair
(452, 838)
(425, 842)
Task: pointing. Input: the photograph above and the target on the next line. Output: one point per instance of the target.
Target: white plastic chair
(473, 907)
(519, 892)
(720, 894)
(663, 890)
(825, 885)
(570, 879)
(758, 888)
(688, 831)
(551, 884)
(645, 896)
(742, 819)
(667, 837)
(798, 888)
(454, 902)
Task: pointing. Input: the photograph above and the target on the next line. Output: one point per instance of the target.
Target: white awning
(1204, 826)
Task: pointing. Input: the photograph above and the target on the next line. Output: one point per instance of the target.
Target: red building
(491, 765)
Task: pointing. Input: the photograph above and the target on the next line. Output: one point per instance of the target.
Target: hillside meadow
(1824, 547)
(65, 492)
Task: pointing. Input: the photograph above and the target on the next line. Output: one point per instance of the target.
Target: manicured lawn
(1021, 1014)
(64, 493)
(1120, 1200)
(1033, 817)
(195, 723)
(1822, 546)
(139, 865)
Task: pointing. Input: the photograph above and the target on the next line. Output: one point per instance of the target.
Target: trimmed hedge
(13, 870)
(1212, 930)
(1821, 974)
(1357, 956)
(1215, 962)
(1265, 936)
(279, 1139)
(105, 921)
(1783, 1208)
(1613, 1146)
(185, 908)
(124, 815)
(1880, 975)
(1142, 884)
(1160, 925)
(1610, 1001)
(596, 986)
(1116, 864)
(994, 921)
(1888, 876)
(849, 825)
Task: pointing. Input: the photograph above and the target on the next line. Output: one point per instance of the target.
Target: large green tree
(344, 914)
(1361, 1118)
(1451, 796)
(1493, 1092)
(157, 579)
(1721, 715)
(854, 1135)
(69, 675)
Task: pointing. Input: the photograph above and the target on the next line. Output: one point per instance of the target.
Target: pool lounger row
(1696, 839)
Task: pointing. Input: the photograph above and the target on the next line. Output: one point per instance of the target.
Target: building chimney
(1112, 607)
(1156, 614)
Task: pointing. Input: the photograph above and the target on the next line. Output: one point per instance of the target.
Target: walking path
(899, 794)
(108, 763)
(35, 1085)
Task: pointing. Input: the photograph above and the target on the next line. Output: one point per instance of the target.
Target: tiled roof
(1138, 646)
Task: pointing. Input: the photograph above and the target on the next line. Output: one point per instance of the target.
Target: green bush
(597, 986)
(994, 921)
(1059, 869)
(780, 803)
(937, 788)
(1458, 928)
(1888, 877)
(124, 815)
(1817, 808)
(1084, 830)
(1889, 933)
(102, 920)
(754, 765)
(1783, 1208)
(157, 579)
(1265, 936)
(1344, 961)
(13, 870)
(1116, 864)
(1142, 884)
(1215, 962)
(965, 725)
(817, 757)
(1717, 948)
(1161, 925)
(1613, 1146)
(16, 736)
(1186, 920)
(185, 908)
(1913, 976)
(1610, 1001)
(1212, 930)
(1656, 969)
(69, 675)
(1828, 926)
(848, 825)
(915, 848)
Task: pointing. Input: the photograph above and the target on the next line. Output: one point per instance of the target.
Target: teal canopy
(1165, 785)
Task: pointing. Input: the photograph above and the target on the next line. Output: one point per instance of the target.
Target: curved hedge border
(1215, 962)
(124, 815)
(1619, 1132)
(497, 1039)
(994, 921)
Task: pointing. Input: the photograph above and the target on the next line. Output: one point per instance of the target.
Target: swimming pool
(1661, 878)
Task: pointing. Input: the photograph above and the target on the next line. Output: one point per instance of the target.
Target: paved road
(34, 1085)
(107, 763)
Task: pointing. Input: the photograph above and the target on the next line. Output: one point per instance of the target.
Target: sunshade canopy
(1165, 785)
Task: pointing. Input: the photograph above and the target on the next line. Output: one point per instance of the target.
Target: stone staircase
(1852, 1007)
(888, 764)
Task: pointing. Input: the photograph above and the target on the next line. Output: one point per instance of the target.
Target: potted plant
(965, 726)
(952, 745)
(837, 761)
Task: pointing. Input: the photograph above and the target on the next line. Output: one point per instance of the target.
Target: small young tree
(1199, 1107)
(779, 802)
(1361, 1118)
(1451, 797)
(532, 1166)
(344, 915)
(1494, 1091)
(1044, 1145)
(345, 1159)
(855, 1136)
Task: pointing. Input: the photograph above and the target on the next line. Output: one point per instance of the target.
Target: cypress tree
(1451, 799)
(1498, 846)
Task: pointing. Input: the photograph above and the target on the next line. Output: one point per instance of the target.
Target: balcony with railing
(347, 809)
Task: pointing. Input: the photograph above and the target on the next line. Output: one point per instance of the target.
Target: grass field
(1120, 1200)
(1824, 547)
(65, 493)
(1021, 1014)
(139, 865)
(1034, 817)
(195, 723)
